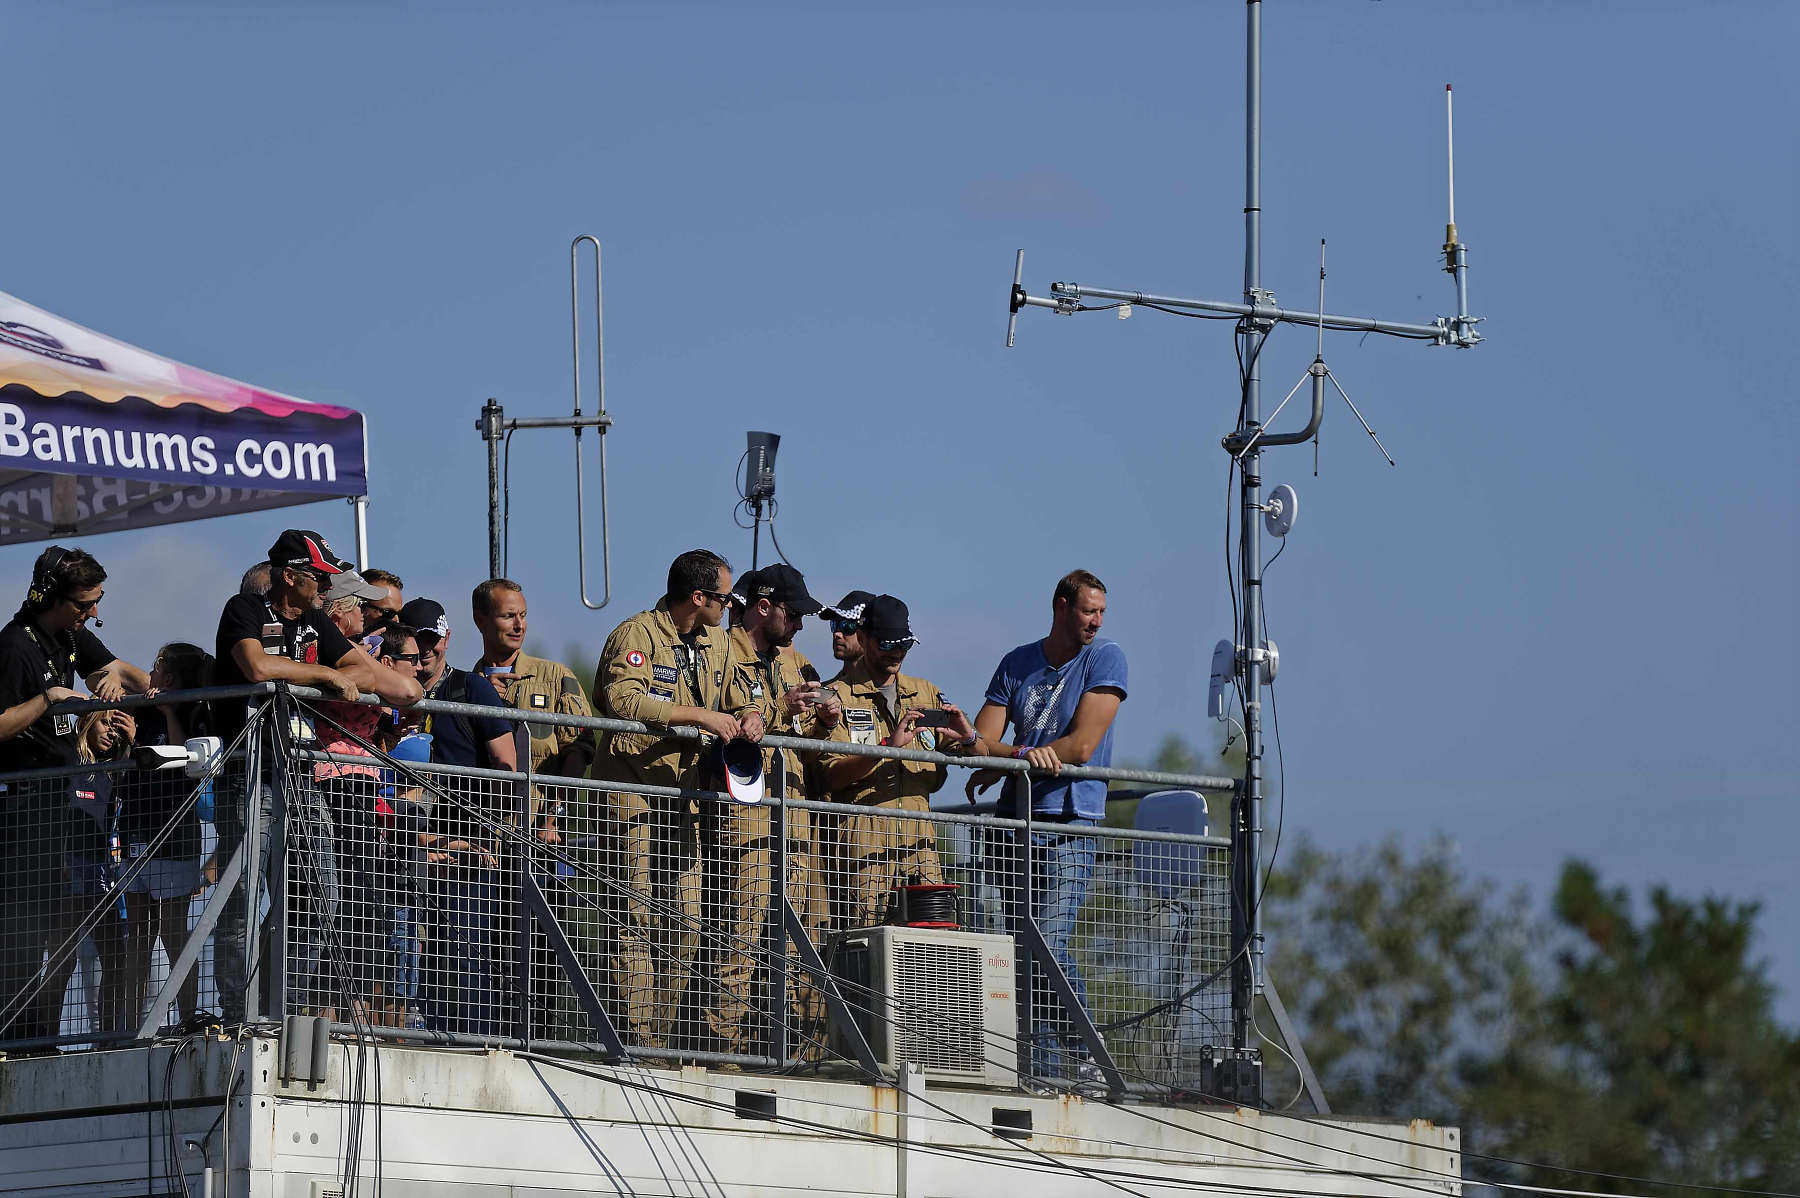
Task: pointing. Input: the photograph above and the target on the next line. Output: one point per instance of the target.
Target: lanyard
(51, 675)
(689, 660)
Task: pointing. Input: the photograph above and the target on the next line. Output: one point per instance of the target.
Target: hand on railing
(723, 726)
(979, 781)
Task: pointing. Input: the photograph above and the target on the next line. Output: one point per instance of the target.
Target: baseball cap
(850, 607)
(740, 587)
(348, 585)
(743, 763)
(427, 616)
(884, 618)
(301, 547)
(779, 583)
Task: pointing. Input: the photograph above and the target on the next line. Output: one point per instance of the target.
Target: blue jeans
(1061, 867)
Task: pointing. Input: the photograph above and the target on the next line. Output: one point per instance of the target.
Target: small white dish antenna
(1224, 654)
(1280, 510)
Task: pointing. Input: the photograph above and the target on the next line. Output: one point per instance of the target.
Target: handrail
(481, 773)
(1009, 765)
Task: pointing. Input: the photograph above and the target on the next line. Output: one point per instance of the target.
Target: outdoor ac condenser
(940, 1000)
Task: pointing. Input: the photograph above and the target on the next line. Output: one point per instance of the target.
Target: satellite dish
(1279, 510)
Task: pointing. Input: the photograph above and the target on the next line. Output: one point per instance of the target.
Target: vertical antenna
(1450, 161)
(1321, 350)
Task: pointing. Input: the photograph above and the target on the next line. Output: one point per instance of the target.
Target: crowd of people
(396, 911)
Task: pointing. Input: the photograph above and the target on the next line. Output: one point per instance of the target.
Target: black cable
(776, 541)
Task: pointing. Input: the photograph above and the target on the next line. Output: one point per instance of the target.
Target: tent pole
(360, 503)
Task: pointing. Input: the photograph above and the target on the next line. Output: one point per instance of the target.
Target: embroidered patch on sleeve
(635, 660)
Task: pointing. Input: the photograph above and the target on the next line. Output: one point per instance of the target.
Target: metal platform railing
(429, 902)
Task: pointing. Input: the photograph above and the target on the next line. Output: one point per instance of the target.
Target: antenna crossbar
(1442, 331)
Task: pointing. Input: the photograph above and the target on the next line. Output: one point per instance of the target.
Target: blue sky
(1563, 625)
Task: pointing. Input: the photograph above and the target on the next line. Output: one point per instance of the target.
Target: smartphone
(936, 718)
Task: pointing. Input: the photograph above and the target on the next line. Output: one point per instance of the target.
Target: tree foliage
(1590, 1035)
(1656, 1052)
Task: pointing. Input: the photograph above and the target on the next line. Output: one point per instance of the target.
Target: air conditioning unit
(940, 1000)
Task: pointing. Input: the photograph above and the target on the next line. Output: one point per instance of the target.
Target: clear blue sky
(1564, 625)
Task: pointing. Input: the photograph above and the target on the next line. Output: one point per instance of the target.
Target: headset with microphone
(46, 587)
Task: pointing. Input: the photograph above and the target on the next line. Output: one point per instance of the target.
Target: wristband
(1020, 752)
(887, 742)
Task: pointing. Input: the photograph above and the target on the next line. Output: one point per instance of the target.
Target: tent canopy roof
(98, 436)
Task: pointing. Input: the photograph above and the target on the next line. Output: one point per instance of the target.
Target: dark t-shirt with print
(311, 638)
(30, 660)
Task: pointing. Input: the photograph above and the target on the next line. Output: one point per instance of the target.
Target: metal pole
(1248, 825)
(755, 531)
(492, 417)
(360, 504)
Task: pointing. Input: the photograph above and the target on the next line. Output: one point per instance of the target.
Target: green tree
(1656, 1053)
(1400, 970)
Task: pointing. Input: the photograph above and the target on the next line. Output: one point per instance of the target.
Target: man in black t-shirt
(282, 636)
(463, 987)
(43, 650)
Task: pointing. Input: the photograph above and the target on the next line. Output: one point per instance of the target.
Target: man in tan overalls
(876, 852)
(767, 672)
(665, 667)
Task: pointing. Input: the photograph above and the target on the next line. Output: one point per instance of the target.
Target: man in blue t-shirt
(1060, 695)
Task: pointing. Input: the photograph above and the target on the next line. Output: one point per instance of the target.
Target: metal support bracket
(1314, 1093)
(198, 939)
(585, 994)
(841, 1016)
(1039, 948)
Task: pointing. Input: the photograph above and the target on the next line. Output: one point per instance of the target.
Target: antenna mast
(1237, 1075)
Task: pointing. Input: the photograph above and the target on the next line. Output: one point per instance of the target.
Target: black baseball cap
(427, 616)
(779, 583)
(884, 618)
(301, 548)
(740, 587)
(850, 607)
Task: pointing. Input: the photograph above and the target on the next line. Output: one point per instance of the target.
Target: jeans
(1061, 867)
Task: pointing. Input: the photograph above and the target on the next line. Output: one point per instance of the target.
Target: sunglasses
(87, 604)
(845, 627)
(722, 598)
(411, 659)
(899, 645)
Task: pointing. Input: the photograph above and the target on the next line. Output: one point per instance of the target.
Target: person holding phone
(876, 853)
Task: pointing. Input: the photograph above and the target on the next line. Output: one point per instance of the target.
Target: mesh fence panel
(401, 899)
(105, 871)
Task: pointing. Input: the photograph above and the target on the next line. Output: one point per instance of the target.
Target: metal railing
(431, 902)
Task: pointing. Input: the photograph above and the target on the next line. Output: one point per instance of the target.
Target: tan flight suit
(549, 687)
(656, 838)
(557, 751)
(740, 858)
(875, 853)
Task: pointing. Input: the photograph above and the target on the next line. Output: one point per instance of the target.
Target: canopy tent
(100, 436)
